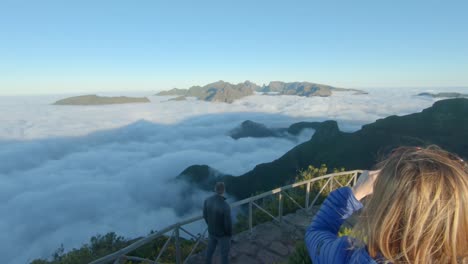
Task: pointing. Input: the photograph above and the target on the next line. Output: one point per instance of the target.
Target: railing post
(250, 217)
(321, 190)
(280, 206)
(355, 179)
(177, 245)
(331, 183)
(307, 196)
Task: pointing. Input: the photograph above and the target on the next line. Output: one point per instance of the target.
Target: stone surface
(244, 249)
(265, 256)
(270, 242)
(291, 248)
(244, 259)
(279, 248)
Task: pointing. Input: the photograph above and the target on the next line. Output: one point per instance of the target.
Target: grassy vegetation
(100, 246)
(301, 255)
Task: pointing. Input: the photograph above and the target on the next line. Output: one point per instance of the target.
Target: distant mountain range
(444, 95)
(226, 92)
(215, 92)
(304, 89)
(100, 100)
(444, 124)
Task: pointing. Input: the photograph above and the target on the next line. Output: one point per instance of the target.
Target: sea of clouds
(70, 172)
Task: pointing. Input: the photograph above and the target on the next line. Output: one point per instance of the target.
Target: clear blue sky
(58, 46)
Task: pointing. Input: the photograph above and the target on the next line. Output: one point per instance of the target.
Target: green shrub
(100, 246)
(300, 255)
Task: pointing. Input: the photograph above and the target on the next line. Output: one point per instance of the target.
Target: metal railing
(175, 230)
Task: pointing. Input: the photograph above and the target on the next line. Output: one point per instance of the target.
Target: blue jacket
(321, 238)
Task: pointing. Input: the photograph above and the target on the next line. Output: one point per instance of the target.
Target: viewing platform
(271, 241)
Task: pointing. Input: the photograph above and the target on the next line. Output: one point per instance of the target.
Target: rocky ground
(271, 242)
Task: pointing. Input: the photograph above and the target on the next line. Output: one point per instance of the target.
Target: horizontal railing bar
(190, 220)
(153, 236)
(134, 246)
(188, 233)
(287, 187)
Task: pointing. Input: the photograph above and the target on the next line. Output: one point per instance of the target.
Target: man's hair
(219, 188)
(419, 210)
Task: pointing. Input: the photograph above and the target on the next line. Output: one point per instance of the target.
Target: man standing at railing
(217, 214)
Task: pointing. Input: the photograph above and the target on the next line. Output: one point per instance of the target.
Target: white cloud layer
(70, 172)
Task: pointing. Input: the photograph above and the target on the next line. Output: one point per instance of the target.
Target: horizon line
(159, 90)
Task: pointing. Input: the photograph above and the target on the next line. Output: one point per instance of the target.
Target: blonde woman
(416, 211)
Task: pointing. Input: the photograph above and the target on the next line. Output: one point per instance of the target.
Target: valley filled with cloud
(70, 172)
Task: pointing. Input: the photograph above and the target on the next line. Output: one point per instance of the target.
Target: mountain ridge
(222, 91)
(444, 95)
(444, 124)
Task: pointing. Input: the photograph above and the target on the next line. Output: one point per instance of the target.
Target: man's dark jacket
(217, 214)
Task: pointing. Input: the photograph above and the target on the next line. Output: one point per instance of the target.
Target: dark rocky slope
(444, 124)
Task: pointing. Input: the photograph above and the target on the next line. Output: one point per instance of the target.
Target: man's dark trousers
(217, 214)
(224, 245)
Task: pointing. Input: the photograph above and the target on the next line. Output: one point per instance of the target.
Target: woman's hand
(365, 184)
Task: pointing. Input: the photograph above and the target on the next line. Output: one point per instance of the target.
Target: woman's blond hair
(419, 210)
